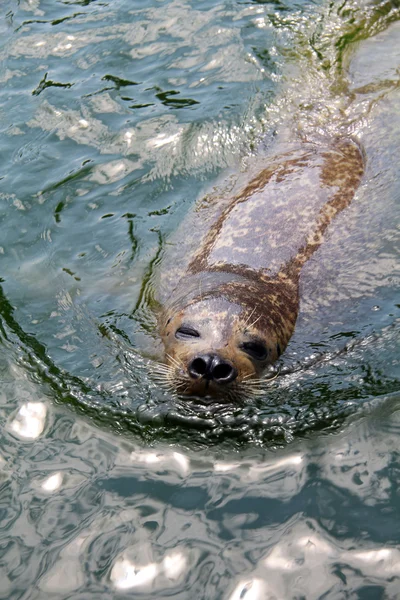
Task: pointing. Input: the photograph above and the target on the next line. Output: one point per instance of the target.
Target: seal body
(230, 295)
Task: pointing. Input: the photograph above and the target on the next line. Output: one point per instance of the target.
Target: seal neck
(201, 285)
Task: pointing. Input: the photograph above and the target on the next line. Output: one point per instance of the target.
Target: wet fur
(242, 281)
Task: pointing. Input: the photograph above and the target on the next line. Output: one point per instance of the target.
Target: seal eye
(255, 349)
(186, 332)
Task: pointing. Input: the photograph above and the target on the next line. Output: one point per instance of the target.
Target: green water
(115, 117)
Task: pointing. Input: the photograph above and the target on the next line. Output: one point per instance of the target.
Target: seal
(231, 295)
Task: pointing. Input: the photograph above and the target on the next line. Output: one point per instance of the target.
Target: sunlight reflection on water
(30, 420)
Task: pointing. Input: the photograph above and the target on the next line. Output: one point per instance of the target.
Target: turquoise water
(115, 117)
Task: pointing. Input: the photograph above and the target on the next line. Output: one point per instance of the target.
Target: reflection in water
(66, 575)
(295, 528)
(30, 420)
(253, 589)
(176, 461)
(304, 555)
(126, 575)
(52, 483)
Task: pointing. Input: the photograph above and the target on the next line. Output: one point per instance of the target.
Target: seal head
(220, 341)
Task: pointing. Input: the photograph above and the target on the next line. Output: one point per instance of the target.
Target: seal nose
(213, 368)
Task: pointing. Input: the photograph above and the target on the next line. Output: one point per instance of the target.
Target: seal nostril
(198, 367)
(212, 368)
(222, 371)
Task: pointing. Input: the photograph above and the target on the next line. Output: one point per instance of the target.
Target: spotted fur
(242, 281)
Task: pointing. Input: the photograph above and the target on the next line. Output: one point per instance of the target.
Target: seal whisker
(274, 375)
(254, 322)
(248, 318)
(180, 383)
(174, 361)
(161, 374)
(165, 385)
(245, 377)
(162, 366)
(251, 388)
(253, 381)
(254, 385)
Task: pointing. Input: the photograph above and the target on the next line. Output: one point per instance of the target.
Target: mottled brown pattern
(342, 171)
(279, 171)
(242, 283)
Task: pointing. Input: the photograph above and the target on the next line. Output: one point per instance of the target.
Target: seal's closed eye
(255, 349)
(185, 331)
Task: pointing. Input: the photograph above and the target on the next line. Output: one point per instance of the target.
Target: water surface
(115, 117)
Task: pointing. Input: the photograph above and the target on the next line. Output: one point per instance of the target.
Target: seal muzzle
(212, 367)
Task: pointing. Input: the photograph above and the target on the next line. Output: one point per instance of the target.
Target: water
(115, 117)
